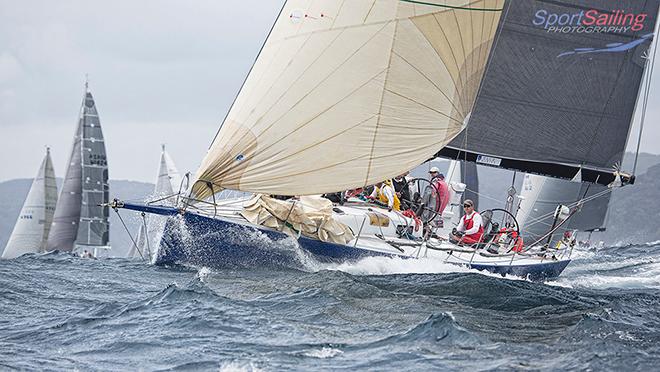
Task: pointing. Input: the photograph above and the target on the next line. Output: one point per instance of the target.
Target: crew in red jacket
(471, 225)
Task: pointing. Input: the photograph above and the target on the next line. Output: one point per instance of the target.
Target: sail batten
(342, 91)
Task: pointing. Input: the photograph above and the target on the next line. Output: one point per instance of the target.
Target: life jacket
(410, 214)
(467, 223)
(383, 198)
(518, 244)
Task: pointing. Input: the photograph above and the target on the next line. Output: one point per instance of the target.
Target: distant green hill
(634, 214)
(14, 192)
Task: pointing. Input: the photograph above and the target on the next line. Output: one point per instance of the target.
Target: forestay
(348, 93)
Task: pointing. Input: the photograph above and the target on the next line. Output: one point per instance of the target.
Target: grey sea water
(59, 312)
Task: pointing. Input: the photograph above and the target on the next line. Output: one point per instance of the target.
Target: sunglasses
(466, 205)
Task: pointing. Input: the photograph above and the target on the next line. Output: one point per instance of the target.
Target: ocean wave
(438, 329)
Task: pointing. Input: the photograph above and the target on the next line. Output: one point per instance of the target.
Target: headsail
(33, 224)
(169, 179)
(559, 95)
(79, 220)
(348, 93)
(64, 229)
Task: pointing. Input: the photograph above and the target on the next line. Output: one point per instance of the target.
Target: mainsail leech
(345, 94)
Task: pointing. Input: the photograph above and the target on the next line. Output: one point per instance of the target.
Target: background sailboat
(34, 222)
(79, 221)
(541, 195)
(167, 184)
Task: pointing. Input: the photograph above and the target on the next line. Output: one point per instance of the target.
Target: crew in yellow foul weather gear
(384, 191)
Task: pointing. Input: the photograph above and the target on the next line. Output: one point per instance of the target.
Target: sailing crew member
(402, 190)
(435, 199)
(441, 189)
(470, 230)
(384, 193)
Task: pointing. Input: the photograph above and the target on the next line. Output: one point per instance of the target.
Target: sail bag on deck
(310, 216)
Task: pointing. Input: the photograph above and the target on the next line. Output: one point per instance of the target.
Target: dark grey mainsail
(559, 94)
(94, 225)
(79, 220)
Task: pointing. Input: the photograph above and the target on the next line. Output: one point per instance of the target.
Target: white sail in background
(348, 93)
(167, 184)
(34, 221)
(541, 195)
(169, 179)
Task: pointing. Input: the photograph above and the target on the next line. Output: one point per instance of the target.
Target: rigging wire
(649, 61)
(129, 233)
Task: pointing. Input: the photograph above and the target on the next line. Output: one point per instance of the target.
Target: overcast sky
(161, 71)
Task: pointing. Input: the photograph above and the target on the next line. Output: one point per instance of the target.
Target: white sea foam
(610, 281)
(396, 265)
(324, 353)
(203, 273)
(239, 366)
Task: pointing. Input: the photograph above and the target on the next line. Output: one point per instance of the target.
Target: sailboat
(33, 223)
(167, 187)
(80, 222)
(347, 94)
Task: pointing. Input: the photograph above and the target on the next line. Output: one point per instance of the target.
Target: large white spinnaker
(348, 93)
(33, 223)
